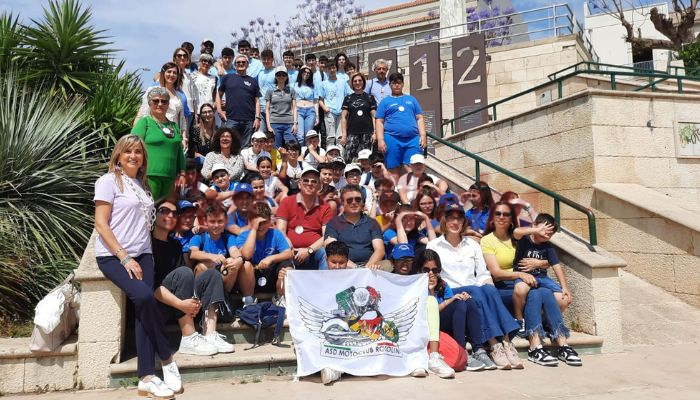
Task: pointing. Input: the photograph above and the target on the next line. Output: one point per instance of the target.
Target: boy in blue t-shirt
(242, 200)
(216, 248)
(400, 127)
(532, 250)
(222, 189)
(264, 248)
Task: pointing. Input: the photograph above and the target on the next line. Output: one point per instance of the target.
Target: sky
(147, 31)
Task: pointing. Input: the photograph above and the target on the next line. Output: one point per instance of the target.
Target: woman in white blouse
(464, 269)
(170, 78)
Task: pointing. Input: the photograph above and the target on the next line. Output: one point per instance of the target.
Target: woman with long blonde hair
(124, 216)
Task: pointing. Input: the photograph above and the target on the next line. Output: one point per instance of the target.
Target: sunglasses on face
(501, 214)
(357, 199)
(434, 270)
(165, 211)
(241, 62)
(206, 62)
(308, 181)
(160, 101)
(180, 55)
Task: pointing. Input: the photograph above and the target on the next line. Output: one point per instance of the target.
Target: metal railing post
(680, 85)
(557, 212)
(560, 88)
(613, 84)
(477, 170)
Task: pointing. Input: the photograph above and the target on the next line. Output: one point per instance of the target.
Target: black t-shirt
(526, 248)
(241, 92)
(167, 256)
(359, 107)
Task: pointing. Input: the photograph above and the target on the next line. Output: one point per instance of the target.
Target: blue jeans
(458, 318)
(317, 261)
(244, 128)
(305, 121)
(283, 134)
(496, 321)
(539, 299)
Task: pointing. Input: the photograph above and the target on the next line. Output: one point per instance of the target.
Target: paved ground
(661, 361)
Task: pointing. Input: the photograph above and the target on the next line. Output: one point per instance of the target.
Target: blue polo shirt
(358, 237)
(333, 93)
(241, 92)
(273, 243)
(399, 115)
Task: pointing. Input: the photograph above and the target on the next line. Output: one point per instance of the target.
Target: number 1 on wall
(423, 61)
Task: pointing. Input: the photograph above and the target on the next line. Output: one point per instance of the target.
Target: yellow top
(503, 250)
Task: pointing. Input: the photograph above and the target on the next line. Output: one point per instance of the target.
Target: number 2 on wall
(423, 61)
(475, 59)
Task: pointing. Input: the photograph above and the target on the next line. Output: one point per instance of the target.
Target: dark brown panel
(388, 55)
(424, 70)
(469, 80)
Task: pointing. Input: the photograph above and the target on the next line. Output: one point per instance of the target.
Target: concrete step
(279, 360)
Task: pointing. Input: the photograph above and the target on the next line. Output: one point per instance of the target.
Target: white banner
(358, 321)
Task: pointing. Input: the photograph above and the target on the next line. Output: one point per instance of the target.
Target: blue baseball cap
(184, 204)
(243, 187)
(453, 207)
(402, 250)
(448, 198)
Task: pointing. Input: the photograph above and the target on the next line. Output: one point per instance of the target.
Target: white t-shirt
(252, 158)
(309, 158)
(271, 184)
(411, 186)
(127, 222)
(292, 172)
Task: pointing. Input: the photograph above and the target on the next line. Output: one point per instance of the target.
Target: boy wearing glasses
(302, 218)
(353, 227)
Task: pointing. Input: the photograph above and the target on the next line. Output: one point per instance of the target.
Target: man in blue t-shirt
(242, 101)
(264, 248)
(292, 73)
(266, 82)
(400, 128)
(331, 94)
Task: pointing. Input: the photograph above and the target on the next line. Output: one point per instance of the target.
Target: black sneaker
(569, 356)
(521, 330)
(542, 357)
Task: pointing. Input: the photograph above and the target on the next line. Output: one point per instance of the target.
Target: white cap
(308, 168)
(207, 40)
(218, 167)
(351, 167)
(364, 154)
(417, 159)
(281, 69)
(311, 133)
(334, 147)
(262, 135)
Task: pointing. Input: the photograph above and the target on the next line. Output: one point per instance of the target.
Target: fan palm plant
(47, 175)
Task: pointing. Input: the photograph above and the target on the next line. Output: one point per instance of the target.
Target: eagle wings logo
(357, 321)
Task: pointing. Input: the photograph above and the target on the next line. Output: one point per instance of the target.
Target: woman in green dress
(163, 144)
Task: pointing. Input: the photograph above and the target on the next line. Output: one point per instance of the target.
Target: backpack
(263, 315)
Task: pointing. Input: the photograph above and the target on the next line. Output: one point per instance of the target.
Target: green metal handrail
(584, 67)
(558, 199)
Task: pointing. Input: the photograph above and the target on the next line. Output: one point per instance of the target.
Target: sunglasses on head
(166, 211)
(502, 214)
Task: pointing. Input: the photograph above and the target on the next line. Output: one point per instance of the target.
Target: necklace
(166, 131)
(147, 208)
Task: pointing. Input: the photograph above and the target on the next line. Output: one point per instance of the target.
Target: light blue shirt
(266, 81)
(333, 93)
(304, 92)
(293, 74)
(378, 89)
(318, 79)
(342, 76)
(255, 67)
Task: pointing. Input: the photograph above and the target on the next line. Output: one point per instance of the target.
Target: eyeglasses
(160, 101)
(502, 214)
(308, 181)
(206, 62)
(241, 62)
(165, 211)
(434, 270)
(357, 199)
(181, 55)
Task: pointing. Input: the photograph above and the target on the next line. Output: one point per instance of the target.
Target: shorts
(400, 149)
(266, 279)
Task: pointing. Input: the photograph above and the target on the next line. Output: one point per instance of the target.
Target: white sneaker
(438, 366)
(329, 375)
(197, 345)
(419, 373)
(217, 340)
(155, 388)
(171, 377)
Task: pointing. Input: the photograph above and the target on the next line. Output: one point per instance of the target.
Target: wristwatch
(310, 250)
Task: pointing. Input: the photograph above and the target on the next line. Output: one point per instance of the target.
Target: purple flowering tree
(491, 20)
(262, 34)
(331, 23)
